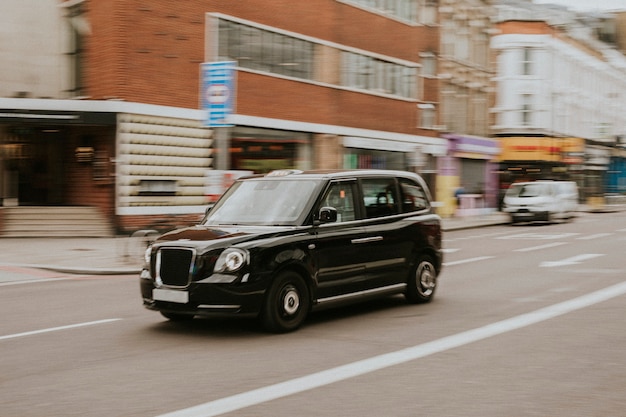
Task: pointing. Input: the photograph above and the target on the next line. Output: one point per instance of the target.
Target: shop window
(157, 187)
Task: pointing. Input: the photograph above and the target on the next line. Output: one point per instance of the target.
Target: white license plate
(173, 296)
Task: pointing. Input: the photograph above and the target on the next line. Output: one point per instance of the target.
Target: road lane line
(54, 329)
(354, 369)
(449, 250)
(33, 281)
(596, 236)
(549, 245)
(570, 261)
(464, 261)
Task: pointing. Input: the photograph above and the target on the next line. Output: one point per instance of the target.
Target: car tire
(287, 303)
(177, 316)
(422, 281)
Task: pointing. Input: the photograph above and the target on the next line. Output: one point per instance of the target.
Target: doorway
(33, 167)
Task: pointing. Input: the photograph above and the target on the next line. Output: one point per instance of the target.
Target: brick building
(318, 84)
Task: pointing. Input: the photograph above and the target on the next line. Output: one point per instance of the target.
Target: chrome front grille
(174, 266)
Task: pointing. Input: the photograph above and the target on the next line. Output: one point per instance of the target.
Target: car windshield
(263, 202)
(525, 190)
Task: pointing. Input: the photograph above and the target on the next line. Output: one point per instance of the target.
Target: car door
(340, 264)
(393, 234)
(381, 249)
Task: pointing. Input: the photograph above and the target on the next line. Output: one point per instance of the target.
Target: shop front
(541, 158)
(468, 175)
(370, 153)
(263, 150)
(51, 158)
(130, 164)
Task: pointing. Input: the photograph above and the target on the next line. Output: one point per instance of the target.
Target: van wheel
(287, 303)
(422, 281)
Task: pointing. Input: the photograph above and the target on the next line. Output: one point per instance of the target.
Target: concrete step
(31, 221)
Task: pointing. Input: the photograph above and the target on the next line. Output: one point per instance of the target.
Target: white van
(541, 200)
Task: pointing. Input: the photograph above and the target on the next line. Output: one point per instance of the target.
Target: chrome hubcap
(291, 301)
(426, 278)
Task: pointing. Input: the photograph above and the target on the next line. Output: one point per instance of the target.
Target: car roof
(335, 174)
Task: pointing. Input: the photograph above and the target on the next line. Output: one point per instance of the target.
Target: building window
(428, 12)
(400, 9)
(448, 38)
(479, 120)
(262, 50)
(426, 115)
(527, 61)
(373, 74)
(526, 109)
(79, 28)
(429, 65)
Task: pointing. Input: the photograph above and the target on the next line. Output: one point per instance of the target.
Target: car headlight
(231, 260)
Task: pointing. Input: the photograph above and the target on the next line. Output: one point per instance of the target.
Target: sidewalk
(124, 255)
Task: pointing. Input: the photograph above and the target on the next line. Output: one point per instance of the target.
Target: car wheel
(177, 316)
(422, 282)
(287, 303)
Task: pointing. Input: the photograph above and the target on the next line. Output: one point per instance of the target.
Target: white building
(559, 100)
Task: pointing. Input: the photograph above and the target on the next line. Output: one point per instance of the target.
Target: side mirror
(327, 215)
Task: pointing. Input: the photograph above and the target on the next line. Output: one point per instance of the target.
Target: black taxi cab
(280, 245)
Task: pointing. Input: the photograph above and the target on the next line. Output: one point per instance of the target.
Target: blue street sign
(218, 92)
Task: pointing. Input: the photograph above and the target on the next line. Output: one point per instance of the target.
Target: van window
(380, 197)
(526, 190)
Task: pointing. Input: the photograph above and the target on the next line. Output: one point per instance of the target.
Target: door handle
(367, 239)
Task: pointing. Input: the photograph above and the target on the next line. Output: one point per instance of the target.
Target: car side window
(340, 195)
(414, 197)
(379, 197)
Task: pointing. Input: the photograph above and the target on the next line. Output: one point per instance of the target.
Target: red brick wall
(150, 51)
(160, 223)
(525, 27)
(80, 187)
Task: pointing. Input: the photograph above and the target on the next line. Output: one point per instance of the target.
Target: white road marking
(33, 281)
(354, 369)
(449, 250)
(54, 329)
(596, 236)
(539, 236)
(549, 245)
(465, 261)
(570, 261)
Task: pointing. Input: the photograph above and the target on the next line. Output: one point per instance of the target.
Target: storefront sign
(478, 147)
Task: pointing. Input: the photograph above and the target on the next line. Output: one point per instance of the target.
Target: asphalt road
(528, 321)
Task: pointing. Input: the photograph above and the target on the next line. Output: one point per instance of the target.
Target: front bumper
(525, 215)
(203, 299)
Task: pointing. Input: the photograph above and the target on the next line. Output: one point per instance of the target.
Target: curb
(78, 270)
